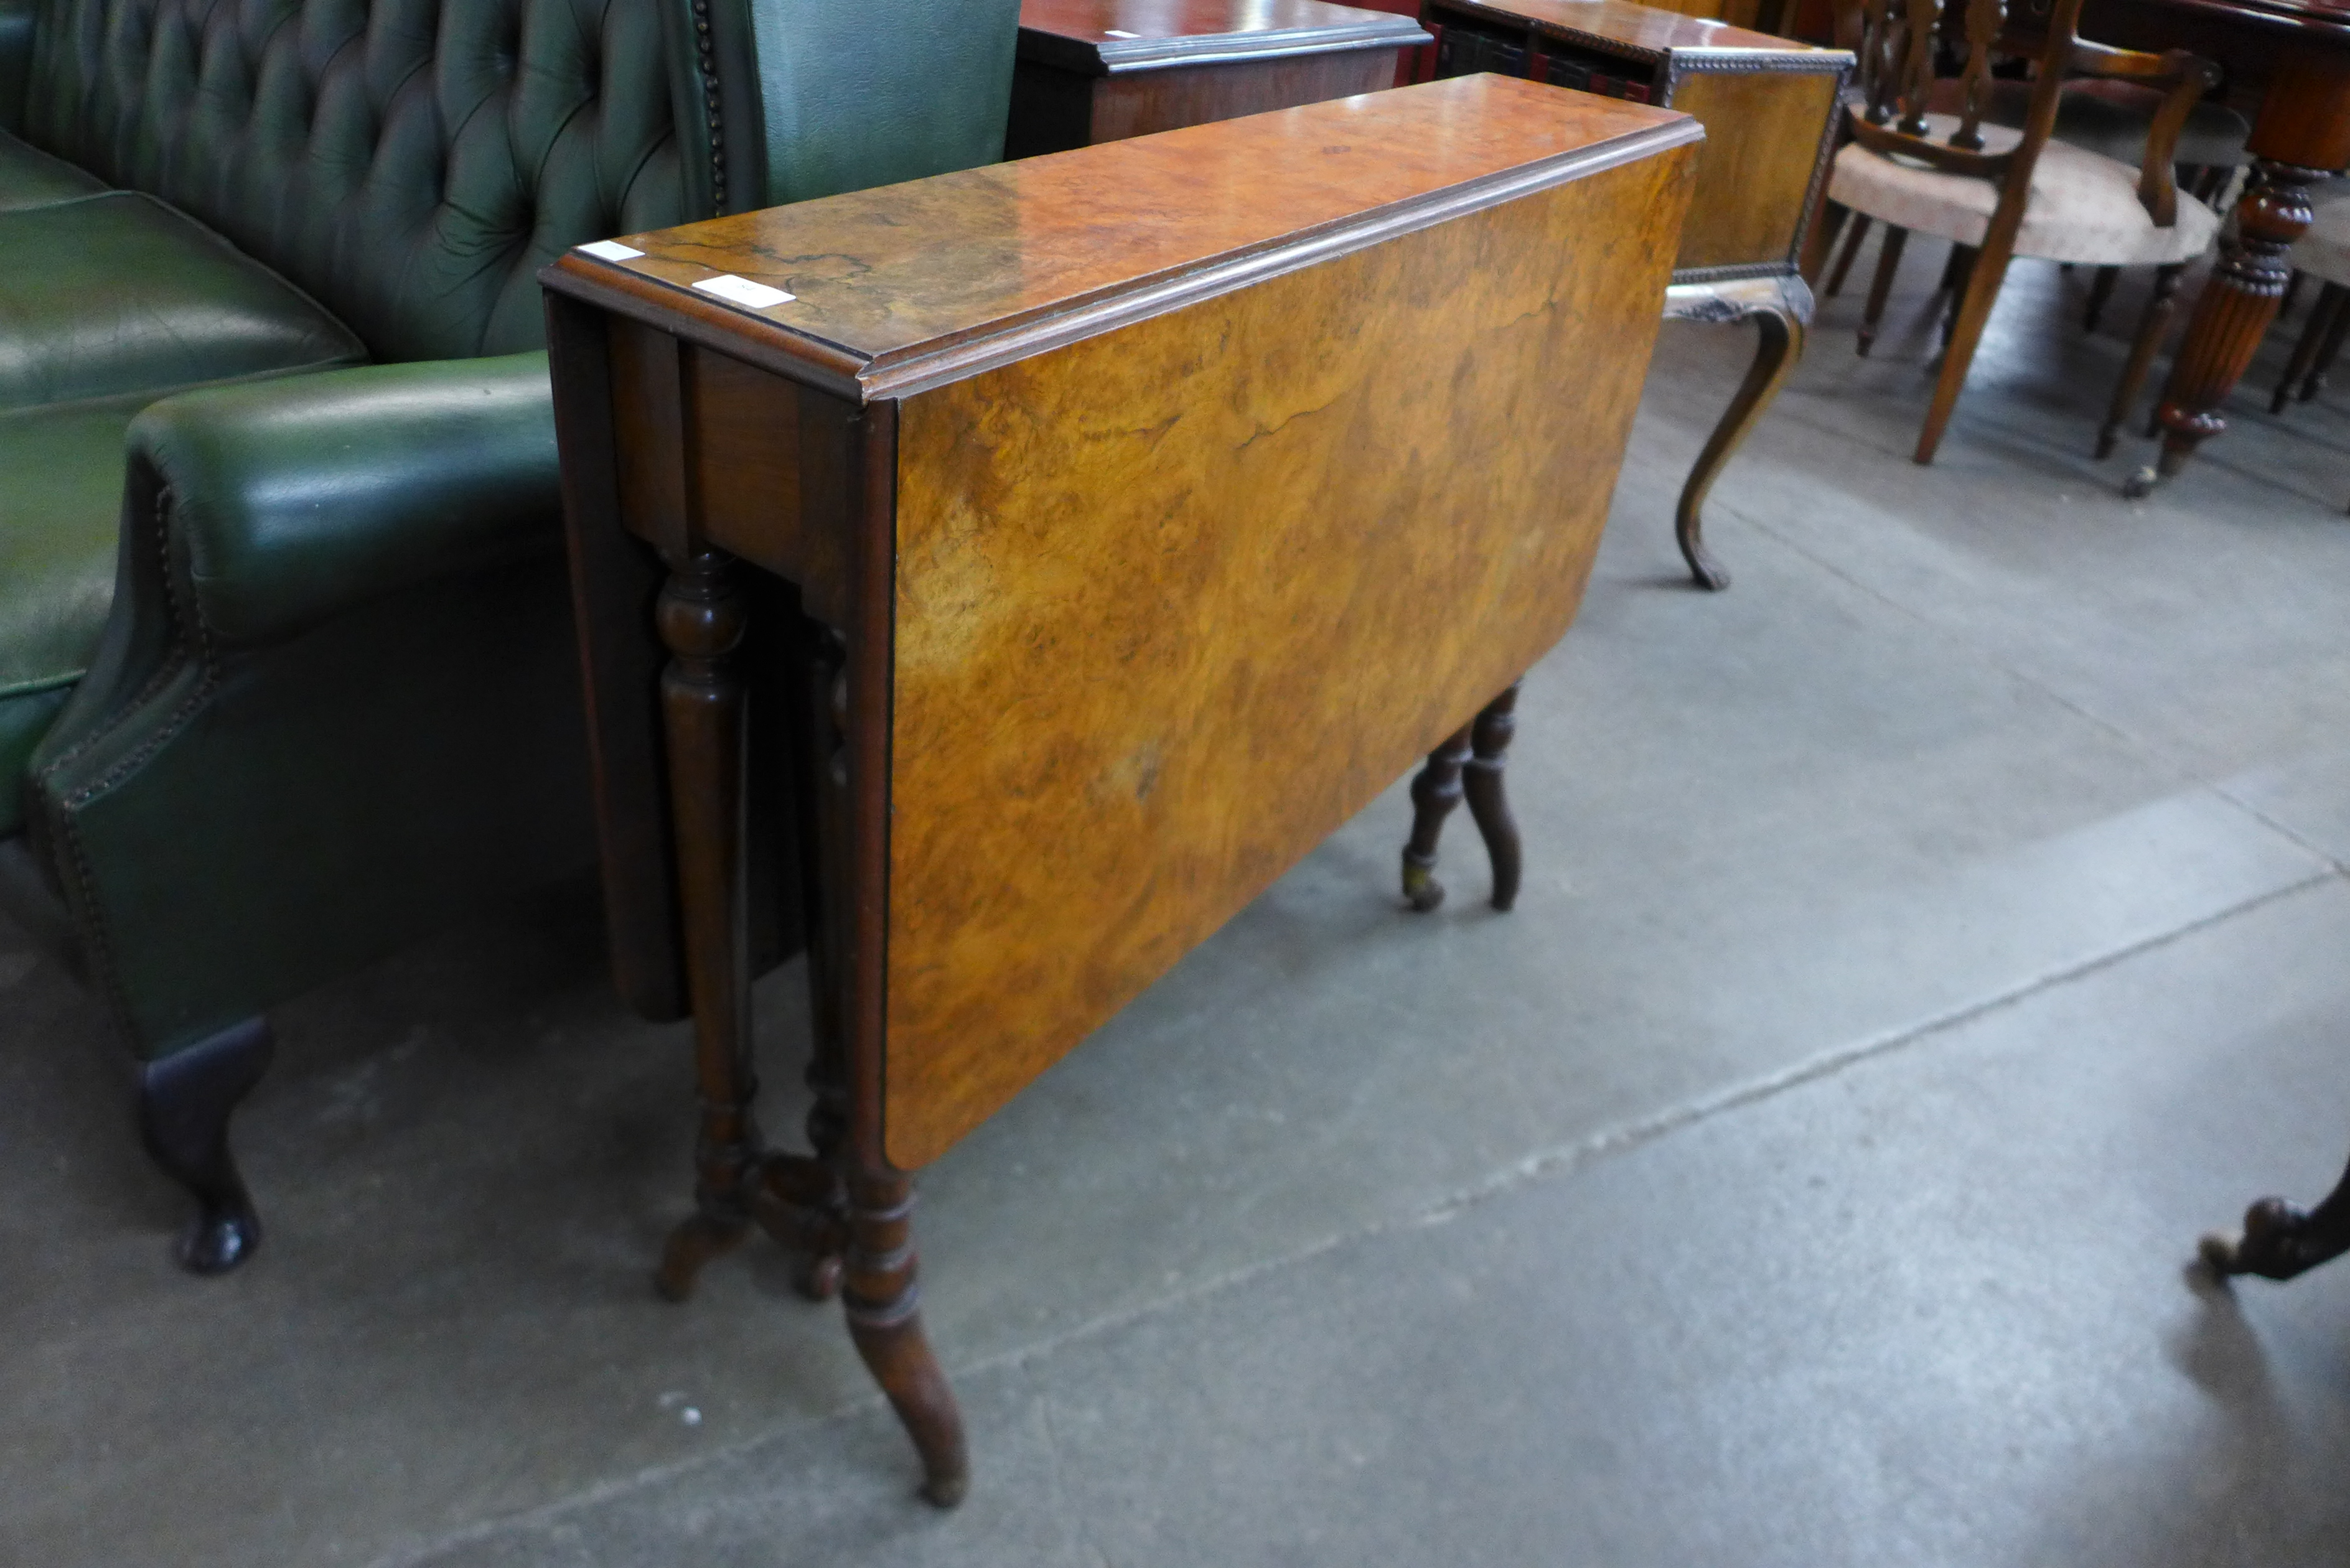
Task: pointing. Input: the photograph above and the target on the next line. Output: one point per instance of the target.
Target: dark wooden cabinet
(1102, 70)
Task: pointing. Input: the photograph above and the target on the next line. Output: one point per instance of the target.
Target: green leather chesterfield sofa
(287, 668)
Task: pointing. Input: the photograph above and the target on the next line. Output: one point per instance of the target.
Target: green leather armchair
(287, 669)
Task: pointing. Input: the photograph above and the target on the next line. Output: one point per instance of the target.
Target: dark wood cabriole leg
(2239, 301)
(883, 1308)
(701, 618)
(1435, 790)
(1488, 804)
(2152, 327)
(1781, 311)
(2280, 1239)
(185, 1101)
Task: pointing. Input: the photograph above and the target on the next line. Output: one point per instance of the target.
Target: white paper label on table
(611, 250)
(742, 291)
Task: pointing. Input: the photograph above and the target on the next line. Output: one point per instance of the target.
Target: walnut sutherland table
(1105, 529)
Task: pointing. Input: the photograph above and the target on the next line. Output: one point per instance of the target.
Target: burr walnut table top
(915, 285)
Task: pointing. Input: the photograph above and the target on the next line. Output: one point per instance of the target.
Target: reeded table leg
(1781, 308)
(2231, 316)
(2281, 1241)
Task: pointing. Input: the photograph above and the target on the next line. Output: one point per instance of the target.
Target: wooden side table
(1101, 70)
(1104, 530)
(1769, 109)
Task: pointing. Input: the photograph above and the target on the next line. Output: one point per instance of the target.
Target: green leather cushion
(118, 292)
(294, 499)
(31, 178)
(60, 515)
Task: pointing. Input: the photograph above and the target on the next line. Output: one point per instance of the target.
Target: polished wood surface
(1091, 71)
(1755, 179)
(1108, 554)
(1053, 112)
(914, 285)
(1125, 521)
(1104, 36)
(1653, 28)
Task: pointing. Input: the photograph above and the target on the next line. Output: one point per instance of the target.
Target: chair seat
(119, 293)
(31, 178)
(2084, 206)
(2324, 252)
(60, 516)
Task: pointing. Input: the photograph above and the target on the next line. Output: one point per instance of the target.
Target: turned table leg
(700, 617)
(1781, 309)
(2303, 130)
(2238, 303)
(1490, 739)
(886, 1322)
(2280, 1239)
(1435, 790)
(866, 1210)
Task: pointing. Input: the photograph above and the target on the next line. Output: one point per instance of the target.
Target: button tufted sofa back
(412, 164)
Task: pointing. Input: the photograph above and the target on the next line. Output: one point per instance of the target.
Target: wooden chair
(1925, 156)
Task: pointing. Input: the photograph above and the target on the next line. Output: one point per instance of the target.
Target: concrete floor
(1923, 942)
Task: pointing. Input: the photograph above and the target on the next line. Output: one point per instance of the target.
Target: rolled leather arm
(287, 500)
